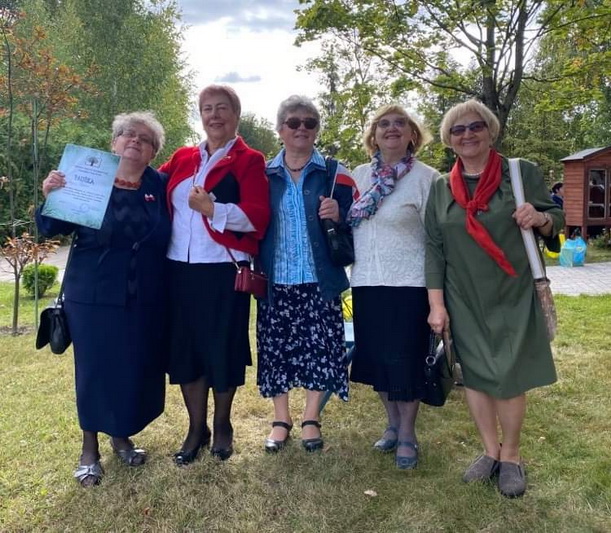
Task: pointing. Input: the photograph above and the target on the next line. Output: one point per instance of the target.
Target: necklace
(128, 184)
(296, 169)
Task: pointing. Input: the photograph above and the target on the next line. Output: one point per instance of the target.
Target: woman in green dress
(481, 287)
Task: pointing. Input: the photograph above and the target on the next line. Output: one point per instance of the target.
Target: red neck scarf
(487, 185)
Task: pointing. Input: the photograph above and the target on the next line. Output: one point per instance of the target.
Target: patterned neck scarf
(487, 185)
(383, 178)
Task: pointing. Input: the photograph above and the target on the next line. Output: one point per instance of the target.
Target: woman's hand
(329, 208)
(200, 201)
(54, 180)
(526, 216)
(438, 319)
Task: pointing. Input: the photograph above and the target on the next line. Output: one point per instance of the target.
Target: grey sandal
(132, 456)
(84, 472)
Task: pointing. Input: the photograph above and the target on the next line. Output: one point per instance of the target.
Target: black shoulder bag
(339, 236)
(53, 328)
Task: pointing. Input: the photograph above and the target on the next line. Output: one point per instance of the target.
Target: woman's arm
(435, 263)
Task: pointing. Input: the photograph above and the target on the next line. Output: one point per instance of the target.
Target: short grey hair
(470, 106)
(296, 103)
(124, 121)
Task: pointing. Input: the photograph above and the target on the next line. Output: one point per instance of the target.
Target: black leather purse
(339, 236)
(438, 370)
(53, 327)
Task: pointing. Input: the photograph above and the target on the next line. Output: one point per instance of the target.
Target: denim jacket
(332, 280)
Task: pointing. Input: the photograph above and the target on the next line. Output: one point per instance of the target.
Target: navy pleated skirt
(391, 337)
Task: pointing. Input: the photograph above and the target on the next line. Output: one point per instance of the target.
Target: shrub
(602, 241)
(47, 274)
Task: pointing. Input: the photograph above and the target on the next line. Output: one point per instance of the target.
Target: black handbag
(339, 236)
(438, 370)
(53, 327)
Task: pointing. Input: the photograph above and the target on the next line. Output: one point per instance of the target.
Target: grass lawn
(566, 446)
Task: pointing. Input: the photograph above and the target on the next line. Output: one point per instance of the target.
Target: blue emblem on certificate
(89, 175)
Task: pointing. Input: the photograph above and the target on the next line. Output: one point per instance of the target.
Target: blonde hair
(470, 106)
(422, 136)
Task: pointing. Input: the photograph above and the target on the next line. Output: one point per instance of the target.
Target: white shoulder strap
(530, 242)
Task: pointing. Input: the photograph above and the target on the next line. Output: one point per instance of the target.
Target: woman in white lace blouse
(389, 295)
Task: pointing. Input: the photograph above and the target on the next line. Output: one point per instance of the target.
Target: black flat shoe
(222, 453)
(312, 445)
(186, 457)
(272, 445)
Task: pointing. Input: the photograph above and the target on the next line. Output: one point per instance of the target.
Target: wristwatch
(547, 218)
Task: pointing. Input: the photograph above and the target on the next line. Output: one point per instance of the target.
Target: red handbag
(249, 279)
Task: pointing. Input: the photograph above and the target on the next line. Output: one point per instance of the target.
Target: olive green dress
(496, 321)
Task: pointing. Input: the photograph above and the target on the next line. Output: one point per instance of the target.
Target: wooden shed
(587, 189)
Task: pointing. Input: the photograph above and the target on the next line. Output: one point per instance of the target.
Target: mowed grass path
(347, 488)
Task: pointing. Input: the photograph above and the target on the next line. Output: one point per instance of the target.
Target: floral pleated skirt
(300, 342)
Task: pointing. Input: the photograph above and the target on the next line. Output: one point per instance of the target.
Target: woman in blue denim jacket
(300, 335)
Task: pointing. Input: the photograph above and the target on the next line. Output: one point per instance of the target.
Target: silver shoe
(93, 470)
(132, 456)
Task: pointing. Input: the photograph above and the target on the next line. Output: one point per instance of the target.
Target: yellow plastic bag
(555, 255)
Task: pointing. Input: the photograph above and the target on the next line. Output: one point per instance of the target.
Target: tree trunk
(15, 330)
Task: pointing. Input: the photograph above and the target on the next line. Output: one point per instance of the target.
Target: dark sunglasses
(294, 123)
(475, 127)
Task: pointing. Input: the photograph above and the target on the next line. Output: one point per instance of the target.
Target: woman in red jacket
(219, 201)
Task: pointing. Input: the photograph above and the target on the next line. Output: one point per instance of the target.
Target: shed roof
(585, 154)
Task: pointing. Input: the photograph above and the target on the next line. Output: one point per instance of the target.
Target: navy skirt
(300, 342)
(391, 337)
(120, 361)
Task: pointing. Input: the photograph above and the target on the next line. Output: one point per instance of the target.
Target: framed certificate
(89, 175)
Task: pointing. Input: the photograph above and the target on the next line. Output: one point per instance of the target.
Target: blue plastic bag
(573, 252)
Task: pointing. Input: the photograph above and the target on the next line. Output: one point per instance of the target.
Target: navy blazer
(98, 271)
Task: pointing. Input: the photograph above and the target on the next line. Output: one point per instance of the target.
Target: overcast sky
(249, 45)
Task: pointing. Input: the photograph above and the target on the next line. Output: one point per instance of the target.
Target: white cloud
(235, 77)
(260, 65)
(256, 15)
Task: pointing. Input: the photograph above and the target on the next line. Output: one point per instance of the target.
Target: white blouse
(389, 247)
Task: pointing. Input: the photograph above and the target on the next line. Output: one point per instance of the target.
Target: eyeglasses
(142, 137)
(294, 123)
(475, 127)
(397, 123)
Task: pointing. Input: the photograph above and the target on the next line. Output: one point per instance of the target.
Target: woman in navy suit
(115, 299)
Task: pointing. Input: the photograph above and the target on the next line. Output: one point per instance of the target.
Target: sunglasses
(474, 127)
(294, 123)
(397, 123)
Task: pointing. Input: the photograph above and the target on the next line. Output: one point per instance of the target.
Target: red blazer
(243, 165)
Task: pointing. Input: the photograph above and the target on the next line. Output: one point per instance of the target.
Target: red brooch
(149, 198)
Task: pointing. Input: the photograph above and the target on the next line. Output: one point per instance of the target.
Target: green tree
(420, 41)
(257, 132)
(353, 85)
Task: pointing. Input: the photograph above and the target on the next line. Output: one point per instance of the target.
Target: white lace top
(389, 247)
